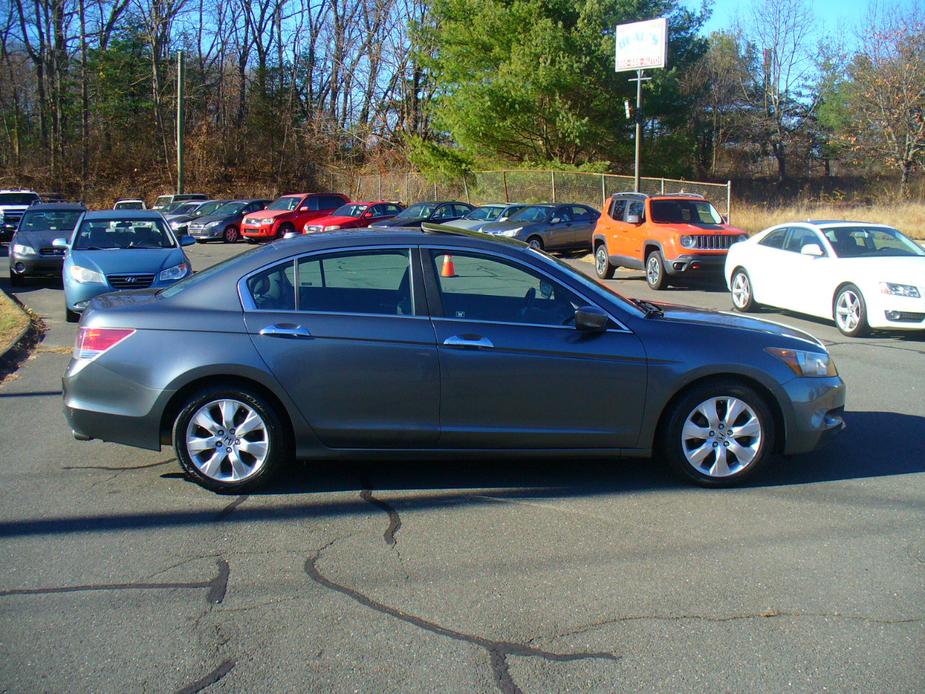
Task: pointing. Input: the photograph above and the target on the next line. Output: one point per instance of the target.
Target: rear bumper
(817, 413)
(694, 263)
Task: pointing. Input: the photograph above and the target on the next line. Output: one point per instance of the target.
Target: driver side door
(515, 373)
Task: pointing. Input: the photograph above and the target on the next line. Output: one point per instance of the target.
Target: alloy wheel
(741, 290)
(721, 436)
(848, 311)
(601, 260)
(227, 440)
(653, 270)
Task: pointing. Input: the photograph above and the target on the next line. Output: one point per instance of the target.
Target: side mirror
(59, 243)
(368, 214)
(591, 319)
(186, 240)
(725, 218)
(633, 219)
(812, 249)
(304, 208)
(554, 220)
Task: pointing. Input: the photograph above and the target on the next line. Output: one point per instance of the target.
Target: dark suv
(31, 249)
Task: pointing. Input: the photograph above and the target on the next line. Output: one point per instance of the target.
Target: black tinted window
(274, 289)
(377, 282)
(474, 287)
(50, 220)
(636, 207)
(330, 202)
(775, 239)
(617, 208)
(799, 237)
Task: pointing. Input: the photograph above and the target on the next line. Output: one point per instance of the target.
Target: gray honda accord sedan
(418, 343)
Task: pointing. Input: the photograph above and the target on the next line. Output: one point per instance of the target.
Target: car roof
(18, 190)
(79, 206)
(441, 202)
(122, 214)
(841, 222)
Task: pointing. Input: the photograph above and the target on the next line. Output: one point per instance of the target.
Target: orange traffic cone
(448, 270)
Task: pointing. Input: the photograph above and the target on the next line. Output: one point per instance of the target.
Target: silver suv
(13, 203)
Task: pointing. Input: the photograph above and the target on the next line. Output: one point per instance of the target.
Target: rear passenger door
(584, 220)
(344, 333)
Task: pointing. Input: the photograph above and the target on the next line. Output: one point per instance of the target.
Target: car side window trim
(418, 295)
(436, 305)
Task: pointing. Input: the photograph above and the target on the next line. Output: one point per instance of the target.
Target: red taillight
(92, 342)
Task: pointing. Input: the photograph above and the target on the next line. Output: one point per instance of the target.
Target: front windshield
(350, 210)
(229, 209)
(486, 213)
(684, 212)
(108, 234)
(50, 220)
(207, 208)
(130, 205)
(176, 207)
(531, 214)
(163, 201)
(18, 198)
(416, 211)
(861, 242)
(286, 203)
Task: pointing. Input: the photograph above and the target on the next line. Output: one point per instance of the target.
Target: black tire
(535, 242)
(71, 316)
(674, 446)
(16, 280)
(602, 265)
(741, 286)
(656, 275)
(850, 297)
(284, 229)
(275, 435)
(231, 234)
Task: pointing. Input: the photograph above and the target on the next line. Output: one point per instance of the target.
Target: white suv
(12, 205)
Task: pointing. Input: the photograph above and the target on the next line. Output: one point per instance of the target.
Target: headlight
(741, 237)
(23, 249)
(900, 290)
(211, 225)
(688, 241)
(85, 275)
(333, 227)
(510, 232)
(266, 220)
(805, 363)
(173, 273)
(176, 225)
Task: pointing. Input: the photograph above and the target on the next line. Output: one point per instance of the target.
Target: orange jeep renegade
(670, 236)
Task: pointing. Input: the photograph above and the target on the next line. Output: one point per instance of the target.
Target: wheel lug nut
(220, 433)
(228, 450)
(714, 444)
(712, 433)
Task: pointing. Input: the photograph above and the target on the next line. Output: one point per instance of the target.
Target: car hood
(703, 316)
(691, 229)
(40, 238)
(332, 220)
(178, 217)
(133, 260)
(495, 227)
(900, 270)
(267, 214)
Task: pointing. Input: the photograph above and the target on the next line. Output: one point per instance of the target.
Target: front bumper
(696, 263)
(258, 232)
(78, 295)
(206, 233)
(891, 312)
(30, 265)
(816, 412)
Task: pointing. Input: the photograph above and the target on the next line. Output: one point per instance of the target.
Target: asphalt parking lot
(120, 575)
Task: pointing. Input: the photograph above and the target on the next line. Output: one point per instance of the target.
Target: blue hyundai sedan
(120, 249)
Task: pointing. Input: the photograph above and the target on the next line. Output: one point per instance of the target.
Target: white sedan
(860, 275)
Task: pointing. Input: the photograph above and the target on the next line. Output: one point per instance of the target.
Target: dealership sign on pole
(641, 46)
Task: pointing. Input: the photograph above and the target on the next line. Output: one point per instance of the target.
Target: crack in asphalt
(394, 518)
(113, 468)
(766, 614)
(498, 651)
(229, 509)
(210, 679)
(217, 586)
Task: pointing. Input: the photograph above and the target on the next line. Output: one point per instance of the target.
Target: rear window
(18, 198)
(50, 220)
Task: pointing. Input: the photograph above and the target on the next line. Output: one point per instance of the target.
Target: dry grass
(907, 217)
(12, 321)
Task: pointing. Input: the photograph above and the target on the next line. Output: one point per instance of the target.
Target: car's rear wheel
(230, 234)
(602, 265)
(850, 312)
(742, 298)
(71, 316)
(230, 439)
(718, 433)
(656, 277)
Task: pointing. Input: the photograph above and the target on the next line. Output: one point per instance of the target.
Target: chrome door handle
(469, 341)
(285, 330)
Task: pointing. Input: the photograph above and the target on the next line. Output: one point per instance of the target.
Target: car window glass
(579, 213)
(274, 289)
(799, 237)
(444, 212)
(462, 210)
(617, 208)
(636, 207)
(57, 220)
(775, 239)
(475, 287)
(564, 214)
(105, 234)
(392, 209)
(531, 214)
(377, 282)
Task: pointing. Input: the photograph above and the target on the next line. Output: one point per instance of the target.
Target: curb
(21, 346)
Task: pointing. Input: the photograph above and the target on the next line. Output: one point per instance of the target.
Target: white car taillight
(92, 342)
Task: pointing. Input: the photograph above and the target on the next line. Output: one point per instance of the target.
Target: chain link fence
(482, 187)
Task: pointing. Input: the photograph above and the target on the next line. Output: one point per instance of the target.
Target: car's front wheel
(656, 276)
(284, 229)
(851, 312)
(71, 316)
(535, 242)
(718, 433)
(16, 280)
(602, 265)
(742, 297)
(230, 439)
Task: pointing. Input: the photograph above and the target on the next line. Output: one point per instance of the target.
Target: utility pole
(181, 77)
(638, 79)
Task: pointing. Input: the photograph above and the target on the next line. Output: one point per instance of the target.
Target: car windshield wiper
(650, 309)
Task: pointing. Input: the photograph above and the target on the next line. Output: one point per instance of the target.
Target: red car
(288, 214)
(354, 215)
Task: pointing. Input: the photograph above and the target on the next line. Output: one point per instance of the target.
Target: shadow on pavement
(876, 444)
